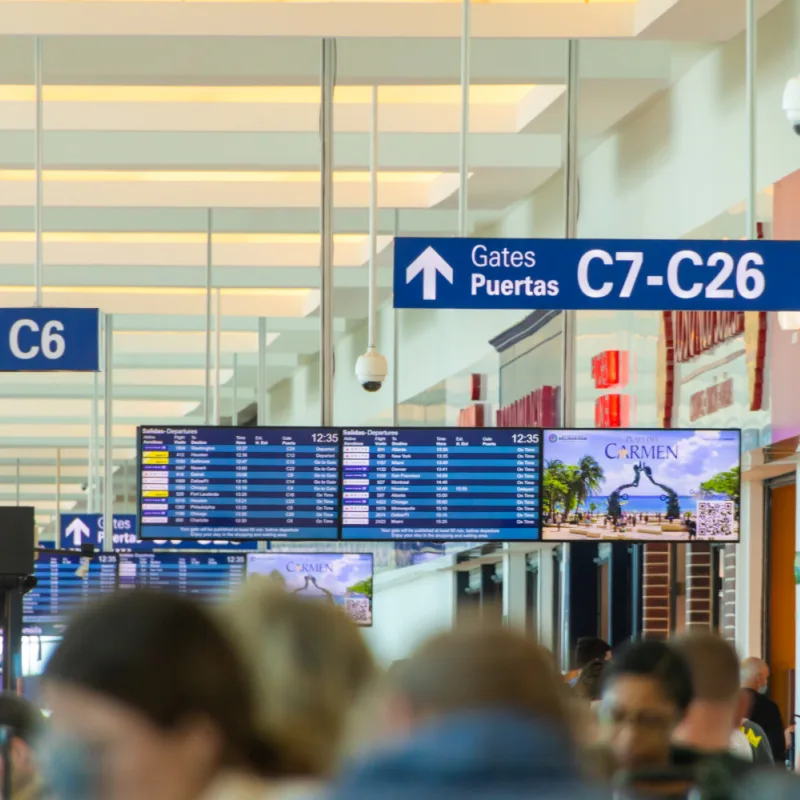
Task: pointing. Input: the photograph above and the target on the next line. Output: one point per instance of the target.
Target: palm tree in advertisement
(589, 478)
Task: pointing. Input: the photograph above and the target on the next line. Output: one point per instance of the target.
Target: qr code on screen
(359, 610)
(715, 519)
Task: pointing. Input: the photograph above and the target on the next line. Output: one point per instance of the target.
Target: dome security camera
(791, 103)
(371, 370)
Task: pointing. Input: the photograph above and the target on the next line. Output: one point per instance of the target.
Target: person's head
(645, 693)
(311, 667)
(25, 723)
(718, 705)
(591, 648)
(588, 684)
(149, 699)
(474, 670)
(755, 674)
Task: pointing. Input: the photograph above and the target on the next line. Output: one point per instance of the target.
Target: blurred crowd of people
(153, 696)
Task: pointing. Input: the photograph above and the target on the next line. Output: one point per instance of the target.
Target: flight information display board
(210, 576)
(239, 483)
(63, 588)
(467, 484)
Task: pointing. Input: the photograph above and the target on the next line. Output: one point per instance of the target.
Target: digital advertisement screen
(341, 578)
(66, 581)
(213, 576)
(238, 483)
(641, 485)
(440, 484)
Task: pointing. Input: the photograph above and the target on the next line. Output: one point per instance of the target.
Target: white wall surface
(409, 605)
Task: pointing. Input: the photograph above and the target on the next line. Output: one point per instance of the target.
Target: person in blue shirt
(475, 713)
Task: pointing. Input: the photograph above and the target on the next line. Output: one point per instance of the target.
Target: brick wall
(655, 591)
(699, 587)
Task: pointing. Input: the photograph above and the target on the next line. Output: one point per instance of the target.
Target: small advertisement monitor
(641, 485)
(341, 578)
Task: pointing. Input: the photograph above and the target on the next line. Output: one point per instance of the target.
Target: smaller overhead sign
(83, 529)
(49, 340)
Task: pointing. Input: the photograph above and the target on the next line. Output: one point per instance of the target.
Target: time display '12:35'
(526, 438)
(325, 438)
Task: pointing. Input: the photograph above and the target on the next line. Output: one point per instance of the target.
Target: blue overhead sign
(49, 340)
(80, 529)
(604, 274)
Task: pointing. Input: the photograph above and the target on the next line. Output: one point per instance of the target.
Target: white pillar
(544, 601)
(515, 595)
(749, 574)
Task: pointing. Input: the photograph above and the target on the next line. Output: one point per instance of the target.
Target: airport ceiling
(155, 112)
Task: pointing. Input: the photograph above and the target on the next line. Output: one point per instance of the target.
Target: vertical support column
(729, 592)
(655, 591)
(235, 393)
(568, 317)
(261, 372)
(515, 595)
(91, 496)
(37, 136)
(326, 233)
(751, 33)
(207, 381)
(463, 165)
(108, 437)
(58, 498)
(750, 571)
(217, 356)
(699, 586)
(396, 345)
(544, 603)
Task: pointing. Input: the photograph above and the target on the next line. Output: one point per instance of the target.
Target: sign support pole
(261, 372)
(217, 348)
(373, 220)
(108, 438)
(38, 277)
(18, 477)
(396, 345)
(326, 232)
(58, 498)
(235, 398)
(569, 317)
(750, 84)
(207, 382)
(463, 175)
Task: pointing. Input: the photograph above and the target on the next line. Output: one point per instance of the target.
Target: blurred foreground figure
(646, 692)
(25, 723)
(717, 709)
(476, 714)
(150, 701)
(311, 668)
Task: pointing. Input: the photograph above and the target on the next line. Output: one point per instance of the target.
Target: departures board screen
(467, 484)
(205, 575)
(239, 483)
(62, 588)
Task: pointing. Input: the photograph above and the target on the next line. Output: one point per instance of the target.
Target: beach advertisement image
(641, 485)
(341, 578)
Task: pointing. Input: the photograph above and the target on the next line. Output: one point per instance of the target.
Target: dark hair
(589, 681)
(714, 666)
(483, 669)
(25, 720)
(165, 657)
(588, 649)
(656, 660)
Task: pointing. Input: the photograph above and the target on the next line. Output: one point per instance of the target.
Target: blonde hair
(310, 665)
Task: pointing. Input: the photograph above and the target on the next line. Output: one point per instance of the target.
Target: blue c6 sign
(49, 340)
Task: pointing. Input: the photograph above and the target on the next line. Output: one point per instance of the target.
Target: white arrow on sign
(429, 263)
(76, 529)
